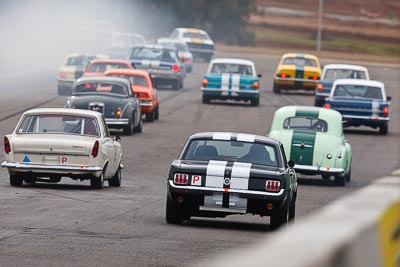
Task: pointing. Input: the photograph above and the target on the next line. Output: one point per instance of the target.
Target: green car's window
(59, 124)
(358, 91)
(224, 150)
(305, 123)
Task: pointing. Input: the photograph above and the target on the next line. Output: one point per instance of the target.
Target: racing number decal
(196, 180)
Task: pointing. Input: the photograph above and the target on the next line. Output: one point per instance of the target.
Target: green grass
(291, 39)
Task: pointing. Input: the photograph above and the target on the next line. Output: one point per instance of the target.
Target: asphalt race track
(69, 224)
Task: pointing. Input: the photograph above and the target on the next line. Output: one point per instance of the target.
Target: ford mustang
(229, 78)
(222, 173)
(51, 143)
(297, 72)
(313, 139)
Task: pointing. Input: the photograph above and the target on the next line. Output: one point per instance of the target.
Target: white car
(199, 42)
(51, 143)
(183, 51)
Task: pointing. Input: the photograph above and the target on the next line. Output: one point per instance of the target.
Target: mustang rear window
(334, 74)
(224, 150)
(149, 53)
(300, 61)
(58, 124)
(305, 123)
(220, 68)
(360, 91)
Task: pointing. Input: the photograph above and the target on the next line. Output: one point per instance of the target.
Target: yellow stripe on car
(389, 235)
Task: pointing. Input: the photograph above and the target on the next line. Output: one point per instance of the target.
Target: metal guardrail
(358, 230)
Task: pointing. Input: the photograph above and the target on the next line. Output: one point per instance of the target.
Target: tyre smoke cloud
(37, 34)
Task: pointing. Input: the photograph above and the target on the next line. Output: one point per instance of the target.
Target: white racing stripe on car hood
(222, 136)
(246, 138)
(375, 108)
(240, 175)
(145, 62)
(155, 63)
(215, 173)
(235, 83)
(225, 83)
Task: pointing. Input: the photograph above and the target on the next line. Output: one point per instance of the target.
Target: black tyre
(139, 127)
(97, 182)
(384, 129)
(206, 99)
(326, 176)
(175, 214)
(281, 217)
(348, 176)
(157, 112)
(115, 181)
(175, 84)
(340, 180)
(150, 117)
(128, 129)
(16, 180)
(319, 102)
(255, 102)
(276, 89)
(292, 209)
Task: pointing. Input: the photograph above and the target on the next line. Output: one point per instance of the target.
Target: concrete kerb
(346, 233)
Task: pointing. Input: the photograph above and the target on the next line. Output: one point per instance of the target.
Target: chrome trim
(318, 169)
(51, 153)
(304, 145)
(26, 166)
(222, 190)
(227, 210)
(252, 92)
(122, 121)
(146, 104)
(365, 117)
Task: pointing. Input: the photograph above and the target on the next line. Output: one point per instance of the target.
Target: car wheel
(174, 213)
(97, 182)
(276, 89)
(326, 176)
(115, 181)
(255, 102)
(151, 116)
(157, 113)
(340, 180)
(292, 209)
(128, 129)
(348, 176)
(139, 128)
(16, 180)
(180, 84)
(206, 99)
(281, 217)
(175, 84)
(383, 130)
(30, 180)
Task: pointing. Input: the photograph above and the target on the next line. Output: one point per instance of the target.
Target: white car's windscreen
(196, 35)
(360, 91)
(58, 124)
(334, 74)
(255, 153)
(305, 124)
(220, 68)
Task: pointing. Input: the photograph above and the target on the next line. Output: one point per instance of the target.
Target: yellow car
(73, 69)
(297, 72)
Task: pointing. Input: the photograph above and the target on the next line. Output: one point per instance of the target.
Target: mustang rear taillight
(320, 87)
(315, 77)
(180, 178)
(7, 146)
(385, 112)
(118, 112)
(205, 82)
(175, 68)
(255, 85)
(327, 105)
(272, 185)
(95, 149)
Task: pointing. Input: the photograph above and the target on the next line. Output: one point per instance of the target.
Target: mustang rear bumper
(317, 170)
(230, 93)
(59, 169)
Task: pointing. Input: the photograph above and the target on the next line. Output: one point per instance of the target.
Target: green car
(313, 138)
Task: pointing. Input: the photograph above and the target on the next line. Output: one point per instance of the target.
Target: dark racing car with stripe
(222, 173)
(313, 138)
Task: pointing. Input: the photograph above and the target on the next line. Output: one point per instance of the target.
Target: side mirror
(388, 98)
(291, 163)
(259, 75)
(117, 138)
(133, 65)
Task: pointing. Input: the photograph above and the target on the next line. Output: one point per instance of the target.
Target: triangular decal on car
(26, 159)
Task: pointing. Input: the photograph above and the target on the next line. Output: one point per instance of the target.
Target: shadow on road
(229, 225)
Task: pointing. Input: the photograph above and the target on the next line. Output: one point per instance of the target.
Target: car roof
(110, 60)
(170, 40)
(234, 136)
(102, 56)
(345, 66)
(310, 56)
(127, 71)
(103, 79)
(191, 30)
(156, 46)
(232, 60)
(71, 111)
(360, 82)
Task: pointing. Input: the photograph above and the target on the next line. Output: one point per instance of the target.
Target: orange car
(98, 67)
(142, 86)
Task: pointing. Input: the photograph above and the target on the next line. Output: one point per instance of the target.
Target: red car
(98, 67)
(142, 85)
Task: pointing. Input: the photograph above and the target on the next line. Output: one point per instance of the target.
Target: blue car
(332, 72)
(234, 79)
(361, 102)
